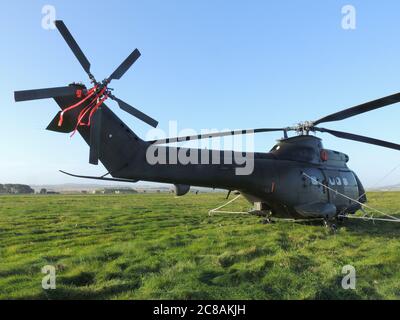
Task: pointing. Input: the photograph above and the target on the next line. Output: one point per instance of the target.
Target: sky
(207, 65)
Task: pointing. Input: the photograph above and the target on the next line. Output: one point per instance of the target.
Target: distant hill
(15, 189)
(395, 187)
(76, 187)
(90, 187)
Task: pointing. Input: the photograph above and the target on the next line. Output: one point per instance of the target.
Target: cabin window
(338, 181)
(345, 181)
(332, 181)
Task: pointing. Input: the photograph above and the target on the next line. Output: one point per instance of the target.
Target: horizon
(158, 185)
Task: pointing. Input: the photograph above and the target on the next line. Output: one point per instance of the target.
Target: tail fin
(119, 146)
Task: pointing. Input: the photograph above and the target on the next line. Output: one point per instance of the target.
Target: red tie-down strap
(91, 109)
(97, 100)
(91, 92)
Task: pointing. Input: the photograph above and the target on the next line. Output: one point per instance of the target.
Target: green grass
(161, 247)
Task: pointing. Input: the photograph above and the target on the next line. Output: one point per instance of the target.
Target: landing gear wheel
(340, 219)
(266, 221)
(333, 227)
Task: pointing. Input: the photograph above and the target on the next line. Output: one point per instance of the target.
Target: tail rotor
(92, 99)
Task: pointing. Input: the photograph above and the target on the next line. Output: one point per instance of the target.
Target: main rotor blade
(135, 112)
(43, 93)
(216, 135)
(74, 46)
(95, 137)
(362, 108)
(355, 137)
(120, 71)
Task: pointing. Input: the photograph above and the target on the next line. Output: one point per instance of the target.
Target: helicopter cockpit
(302, 148)
(307, 148)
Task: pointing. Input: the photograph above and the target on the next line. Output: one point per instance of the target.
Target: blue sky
(206, 64)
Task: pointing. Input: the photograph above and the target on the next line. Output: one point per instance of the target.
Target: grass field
(161, 247)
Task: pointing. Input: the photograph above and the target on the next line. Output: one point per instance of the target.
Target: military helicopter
(297, 179)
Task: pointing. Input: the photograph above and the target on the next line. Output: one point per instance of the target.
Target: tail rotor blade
(124, 67)
(135, 112)
(95, 137)
(62, 28)
(43, 93)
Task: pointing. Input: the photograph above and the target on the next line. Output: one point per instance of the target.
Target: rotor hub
(304, 128)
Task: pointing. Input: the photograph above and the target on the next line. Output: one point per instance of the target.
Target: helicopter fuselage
(298, 178)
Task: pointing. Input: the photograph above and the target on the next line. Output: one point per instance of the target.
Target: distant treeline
(15, 189)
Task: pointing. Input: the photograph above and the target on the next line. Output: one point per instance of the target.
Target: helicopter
(297, 179)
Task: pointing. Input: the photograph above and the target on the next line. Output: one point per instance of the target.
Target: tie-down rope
(217, 210)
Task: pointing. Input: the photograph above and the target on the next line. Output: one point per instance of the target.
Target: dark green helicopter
(297, 179)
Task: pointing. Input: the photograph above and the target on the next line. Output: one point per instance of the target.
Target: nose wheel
(266, 221)
(329, 225)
